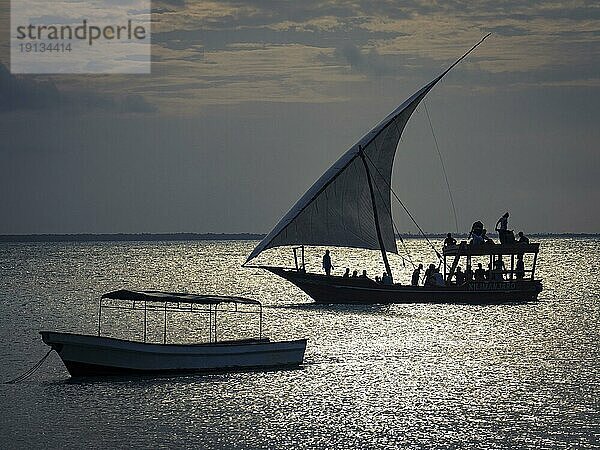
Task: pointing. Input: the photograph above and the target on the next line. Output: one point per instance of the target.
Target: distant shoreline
(150, 237)
(117, 237)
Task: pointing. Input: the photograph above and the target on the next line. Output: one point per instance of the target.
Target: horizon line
(211, 236)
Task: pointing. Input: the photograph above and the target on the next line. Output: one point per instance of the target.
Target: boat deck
(465, 249)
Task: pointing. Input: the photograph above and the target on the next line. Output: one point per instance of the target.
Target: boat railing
(464, 249)
(495, 253)
(166, 307)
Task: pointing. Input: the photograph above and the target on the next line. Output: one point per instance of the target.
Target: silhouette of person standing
(502, 228)
(327, 263)
(416, 275)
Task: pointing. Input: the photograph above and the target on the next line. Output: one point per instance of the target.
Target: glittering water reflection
(415, 376)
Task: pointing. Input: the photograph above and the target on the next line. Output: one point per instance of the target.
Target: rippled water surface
(399, 376)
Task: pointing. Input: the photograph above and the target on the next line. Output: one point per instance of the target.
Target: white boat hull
(85, 355)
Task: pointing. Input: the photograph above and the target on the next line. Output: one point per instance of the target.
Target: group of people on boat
(328, 267)
(384, 279)
(354, 274)
(478, 234)
(432, 275)
(490, 274)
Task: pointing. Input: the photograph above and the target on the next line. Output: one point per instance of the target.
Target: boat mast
(375, 215)
(292, 229)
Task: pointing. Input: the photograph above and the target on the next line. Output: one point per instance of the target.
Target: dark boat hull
(77, 369)
(327, 290)
(85, 355)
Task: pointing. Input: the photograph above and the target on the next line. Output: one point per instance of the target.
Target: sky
(249, 102)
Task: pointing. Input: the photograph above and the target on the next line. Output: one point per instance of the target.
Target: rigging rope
(408, 256)
(31, 371)
(405, 208)
(443, 166)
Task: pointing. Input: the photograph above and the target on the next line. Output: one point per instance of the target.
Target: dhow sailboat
(350, 206)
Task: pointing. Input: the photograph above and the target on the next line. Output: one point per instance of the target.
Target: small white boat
(87, 355)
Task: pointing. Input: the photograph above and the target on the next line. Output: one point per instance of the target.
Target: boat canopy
(350, 205)
(487, 249)
(158, 296)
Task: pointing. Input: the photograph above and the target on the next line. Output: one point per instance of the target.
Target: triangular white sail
(341, 209)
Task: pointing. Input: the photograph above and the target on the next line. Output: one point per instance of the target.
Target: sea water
(398, 376)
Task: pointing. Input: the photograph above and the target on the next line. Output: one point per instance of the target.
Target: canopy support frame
(302, 266)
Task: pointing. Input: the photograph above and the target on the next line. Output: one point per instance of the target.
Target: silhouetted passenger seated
(386, 279)
(522, 238)
(416, 275)
(486, 238)
(488, 272)
(429, 275)
(377, 279)
(479, 273)
(347, 273)
(476, 229)
(520, 269)
(460, 276)
(449, 240)
(355, 274)
(496, 274)
(438, 279)
(499, 269)
(364, 274)
(476, 233)
(509, 237)
(476, 240)
(469, 273)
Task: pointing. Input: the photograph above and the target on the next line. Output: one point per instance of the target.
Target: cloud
(368, 63)
(379, 39)
(173, 3)
(315, 51)
(508, 30)
(222, 38)
(167, 6)
(25, 93)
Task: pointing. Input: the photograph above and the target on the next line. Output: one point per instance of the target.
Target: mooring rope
(31, 371)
